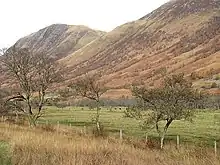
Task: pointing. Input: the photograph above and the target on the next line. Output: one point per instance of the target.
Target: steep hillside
(59, 40)
(180, 36)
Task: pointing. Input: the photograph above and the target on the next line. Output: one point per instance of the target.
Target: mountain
(179, 36)
(59, 40)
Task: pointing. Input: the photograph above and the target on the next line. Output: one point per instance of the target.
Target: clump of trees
(91, 88)
(172, 101)
(33, 74)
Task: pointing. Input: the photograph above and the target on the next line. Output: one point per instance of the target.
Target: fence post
(2, 119)
(47, 122)
(121, 134)
(177, 141)
(16, 118)
(85, 130)
(146, 138)
(215, 147)
(58, 126)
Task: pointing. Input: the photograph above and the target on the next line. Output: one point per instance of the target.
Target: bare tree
(34, 74)
(3, 109)
(173, 101)
(90, 87)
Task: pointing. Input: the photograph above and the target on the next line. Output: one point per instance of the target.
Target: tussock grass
(39, 147)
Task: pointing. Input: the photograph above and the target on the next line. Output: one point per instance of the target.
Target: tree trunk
(162, 141)
(41, 99)
(98, 126)
(157, 128)
(169, 121)
(17, 118)
(32, 120)
(97, 117)
(29, 106)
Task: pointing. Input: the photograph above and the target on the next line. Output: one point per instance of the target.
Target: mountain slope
(180, 36)
(59, 40)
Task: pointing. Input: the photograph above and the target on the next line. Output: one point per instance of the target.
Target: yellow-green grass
(204, 129)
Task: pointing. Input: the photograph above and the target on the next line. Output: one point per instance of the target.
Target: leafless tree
(34, 74)
(173, 101)
(2, 102)
(91, 88)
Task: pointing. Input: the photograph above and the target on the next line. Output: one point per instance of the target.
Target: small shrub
(194, 76)
(214, 85)
(217, 77)
(99, 133)
(142, 144)
(48, 127)
(20, 121)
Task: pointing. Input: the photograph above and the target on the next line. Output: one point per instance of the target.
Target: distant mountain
(179, 36)
(59, 40)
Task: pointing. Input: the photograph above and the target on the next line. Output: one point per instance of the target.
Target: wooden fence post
(146, 138)
(121, 134)
(58, 126)
(177, 141)
(215, 147)
(85, 130)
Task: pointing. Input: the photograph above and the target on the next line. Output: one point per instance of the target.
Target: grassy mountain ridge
(59, 40)
(180, 36)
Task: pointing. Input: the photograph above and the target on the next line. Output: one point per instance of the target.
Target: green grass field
(204, 129)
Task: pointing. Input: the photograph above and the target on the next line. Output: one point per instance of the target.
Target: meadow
(60, 138)
(203, 130)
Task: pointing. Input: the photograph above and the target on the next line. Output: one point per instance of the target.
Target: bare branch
(34, 73)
